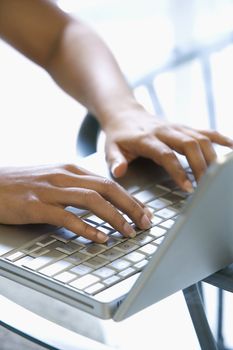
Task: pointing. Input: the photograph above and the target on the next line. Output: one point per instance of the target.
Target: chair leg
(199, 319)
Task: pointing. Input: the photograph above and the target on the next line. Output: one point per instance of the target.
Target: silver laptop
(191, 237)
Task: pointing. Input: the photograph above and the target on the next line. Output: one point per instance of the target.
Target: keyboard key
(127, 219)
(82, 241)
(15, 256)
(65, 277)
(64, 235)
(182, 193)
(81, 269)
(159, 191)
(55, 268)
(127, 246)
(89, 222)
(166, 213)
(24, 260)
(112, 254)
(46, 241)
(96, 262)
(69, 248)
(84, 282)
(178, 205)
(32, 248)
(95, 219)
(141, 264)
(94, 289)
(93, 249)
(168, 223)
(156, 231)
(77, 258)
(134, 257)
(77, 211)
(43, 260)
(104, 272)
(144, 196)
(117, 235)
(143, 238)
(111, 242)
(148, 249)
(105, 229)
(172, 197)
(39, 252)
(159, 240)
(160, 203)
(111, 280)
(128, 272)
(155, 220)
(120, 264)
(133, 188)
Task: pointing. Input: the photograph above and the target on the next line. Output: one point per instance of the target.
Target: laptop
(191, 238)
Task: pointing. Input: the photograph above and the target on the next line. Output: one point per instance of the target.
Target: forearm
(84, 67)
(73, 54)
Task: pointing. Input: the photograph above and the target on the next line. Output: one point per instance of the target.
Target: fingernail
(102, 237)
(114, 168)
(128, 230)
(188, 187)
(145, 222)
(148, 213)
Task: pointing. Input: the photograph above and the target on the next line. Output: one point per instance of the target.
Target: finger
(205, 145)
(146, 209)
(93, 201)
(118, 196)
(218, 138)
(77, 170)
(56, 216)
(163, 155)
(109, 189)
(183, 143)
(117, 162)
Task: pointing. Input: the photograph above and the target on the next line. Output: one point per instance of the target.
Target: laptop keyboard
(91, 267)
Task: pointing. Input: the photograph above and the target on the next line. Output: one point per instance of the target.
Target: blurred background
(144, 35)
(184, 48)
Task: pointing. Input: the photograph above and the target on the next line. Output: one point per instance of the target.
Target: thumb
(117, 162)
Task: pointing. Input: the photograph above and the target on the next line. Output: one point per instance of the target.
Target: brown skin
(79, 61)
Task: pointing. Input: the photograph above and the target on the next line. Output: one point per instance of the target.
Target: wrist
(121, 113)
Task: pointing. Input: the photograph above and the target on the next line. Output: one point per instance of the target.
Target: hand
(41, 194)
(140, 134)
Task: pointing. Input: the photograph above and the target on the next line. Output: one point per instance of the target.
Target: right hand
(41, 194)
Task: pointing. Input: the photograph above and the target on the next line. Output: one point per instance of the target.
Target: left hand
(139, 133)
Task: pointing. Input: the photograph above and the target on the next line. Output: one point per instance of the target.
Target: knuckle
(203, 140)
(109, 185)
(191, 143)
(134, 206)
(167, 155)
(68, 219)
(118, 221)
(117, 217)
(215, 134)
(85, 230)
(89, 196)
(70, 167)
(88, 232)
(58, 179)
